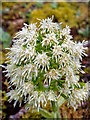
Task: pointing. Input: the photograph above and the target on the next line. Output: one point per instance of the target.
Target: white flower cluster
(43, 65)
(77, 96)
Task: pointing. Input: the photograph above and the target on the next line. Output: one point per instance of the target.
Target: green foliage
(24, 5)
(64, 96)
(53, 64)
(82, 84)
(60, 101)
(39, 48)
(6, 10)
(60, 83)
(39, 4)
(54, 106)
(5, 38)
(54, 86)
(32, 115)
(55, 112)
(45, 113)
(39, 81)
(85, 32)
(54, 5)
(27, 15)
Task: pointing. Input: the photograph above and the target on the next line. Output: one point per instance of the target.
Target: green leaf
(27, 15)
(56, 111)
(5, 38)
(41, 86)
(84, 32)
(60, 82)
(53, 86)
(24, 5)
(39, 4)
(54, 5)
(45, 113)
(54, 114)
(39, 81)
(58, 114)
(64, 96)
(60, 101)
(47, 31)
(6, 10)
(82, 84)
(60, 43)
(54, 106)
(65, 116)
(80, 31)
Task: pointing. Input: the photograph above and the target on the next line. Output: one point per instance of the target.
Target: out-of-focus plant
(68, 13)
(84, 32)
(44, 65)
(5, 42)
(54, 5)
(39, 4)
(5, 38)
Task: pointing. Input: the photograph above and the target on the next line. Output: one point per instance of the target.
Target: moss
(84, 12)
(35, 15)
(72, 14)
(8, 4)
(65, 12)
(36, 114)
(32, 113)
(66, 112)
(3, 100)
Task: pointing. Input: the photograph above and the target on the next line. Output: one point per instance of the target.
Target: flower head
(44, 63)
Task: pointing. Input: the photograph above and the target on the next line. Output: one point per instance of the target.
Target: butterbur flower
(42, 60)
(52, 74)
(77, 96)
(47, 24)
(65, 32)
(49, 39)
(44, 63)
(52, 96)
(57, 51)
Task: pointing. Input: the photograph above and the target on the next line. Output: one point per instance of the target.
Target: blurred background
(13, 15)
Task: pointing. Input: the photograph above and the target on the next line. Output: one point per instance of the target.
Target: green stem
(55, 110)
